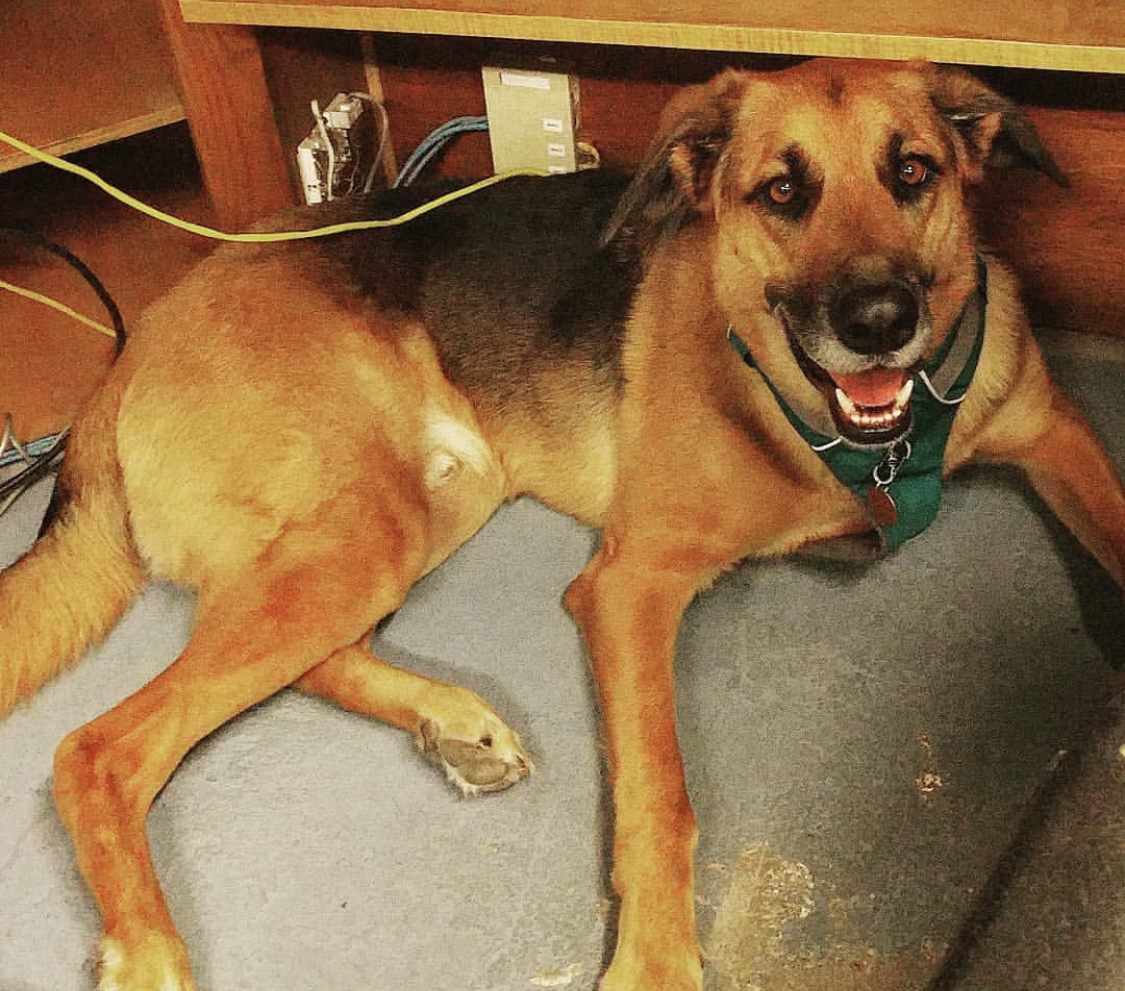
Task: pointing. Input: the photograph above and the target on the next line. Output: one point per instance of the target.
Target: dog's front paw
(154, 963)
(478, 752)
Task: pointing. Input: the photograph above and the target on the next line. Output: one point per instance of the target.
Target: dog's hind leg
(453, 726)
(318, 587)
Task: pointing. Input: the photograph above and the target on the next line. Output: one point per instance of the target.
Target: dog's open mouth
(870, 349)
(870, 407)
(874, 401)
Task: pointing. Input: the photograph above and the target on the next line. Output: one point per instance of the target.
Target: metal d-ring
(886, 471)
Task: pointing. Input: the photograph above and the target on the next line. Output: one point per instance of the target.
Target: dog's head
(836, 194)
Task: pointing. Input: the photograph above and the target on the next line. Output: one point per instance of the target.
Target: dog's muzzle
(859, 341)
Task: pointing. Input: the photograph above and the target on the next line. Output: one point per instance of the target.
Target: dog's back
(246, 397)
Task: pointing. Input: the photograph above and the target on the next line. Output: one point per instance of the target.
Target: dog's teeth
(870, 419)
(904, 393)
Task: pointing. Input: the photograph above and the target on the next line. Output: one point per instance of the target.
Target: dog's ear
(996, 132)
(672, 185)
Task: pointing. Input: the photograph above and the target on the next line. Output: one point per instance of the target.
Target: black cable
(49, 460)
(15, 234)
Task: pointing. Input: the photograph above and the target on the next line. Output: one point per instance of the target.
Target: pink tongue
(877, 387)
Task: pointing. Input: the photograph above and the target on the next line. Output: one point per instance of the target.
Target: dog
(779, 333)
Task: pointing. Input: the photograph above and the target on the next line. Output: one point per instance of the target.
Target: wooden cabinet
(80, 72)
(1066, 244)
(1079, 35)
(77, 72)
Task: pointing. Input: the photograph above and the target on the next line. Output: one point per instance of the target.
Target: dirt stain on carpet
(755, 942)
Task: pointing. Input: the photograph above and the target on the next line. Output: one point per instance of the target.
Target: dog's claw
(477, 751)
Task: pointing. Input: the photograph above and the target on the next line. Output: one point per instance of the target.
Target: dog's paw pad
(477, 751)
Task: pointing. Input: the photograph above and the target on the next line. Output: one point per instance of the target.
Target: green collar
(900, 487)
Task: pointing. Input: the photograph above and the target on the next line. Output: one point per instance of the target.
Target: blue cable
(34, 448)
(433, 143)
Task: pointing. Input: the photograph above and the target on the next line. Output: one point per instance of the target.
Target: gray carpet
(874, 754)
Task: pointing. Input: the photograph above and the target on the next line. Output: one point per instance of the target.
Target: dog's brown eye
(789, 196)
(782, 191)
(913, 172)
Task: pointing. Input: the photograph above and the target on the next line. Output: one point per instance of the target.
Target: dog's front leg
(453, 726)
(1070, 470)
(629, 611)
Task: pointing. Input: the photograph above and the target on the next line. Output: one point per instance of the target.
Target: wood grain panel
(1067, 244)
(228, 108)
(77, 73)
(1080, 35)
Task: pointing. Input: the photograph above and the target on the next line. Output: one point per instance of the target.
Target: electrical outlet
(328, 159)
(312, 164)
(533, 118)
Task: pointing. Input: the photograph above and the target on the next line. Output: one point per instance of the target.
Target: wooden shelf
(81, 72)
(1076, 35)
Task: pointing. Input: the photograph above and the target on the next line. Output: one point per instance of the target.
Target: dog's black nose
(875, 319)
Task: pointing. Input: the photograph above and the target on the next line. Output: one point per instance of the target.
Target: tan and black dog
(781, 331)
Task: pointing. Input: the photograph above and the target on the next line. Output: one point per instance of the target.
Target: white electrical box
(533, 118)
(328, 159)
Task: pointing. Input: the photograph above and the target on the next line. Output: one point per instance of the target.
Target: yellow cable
(257, 238)
(61, 307)
(210, 232)
(247, 238)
